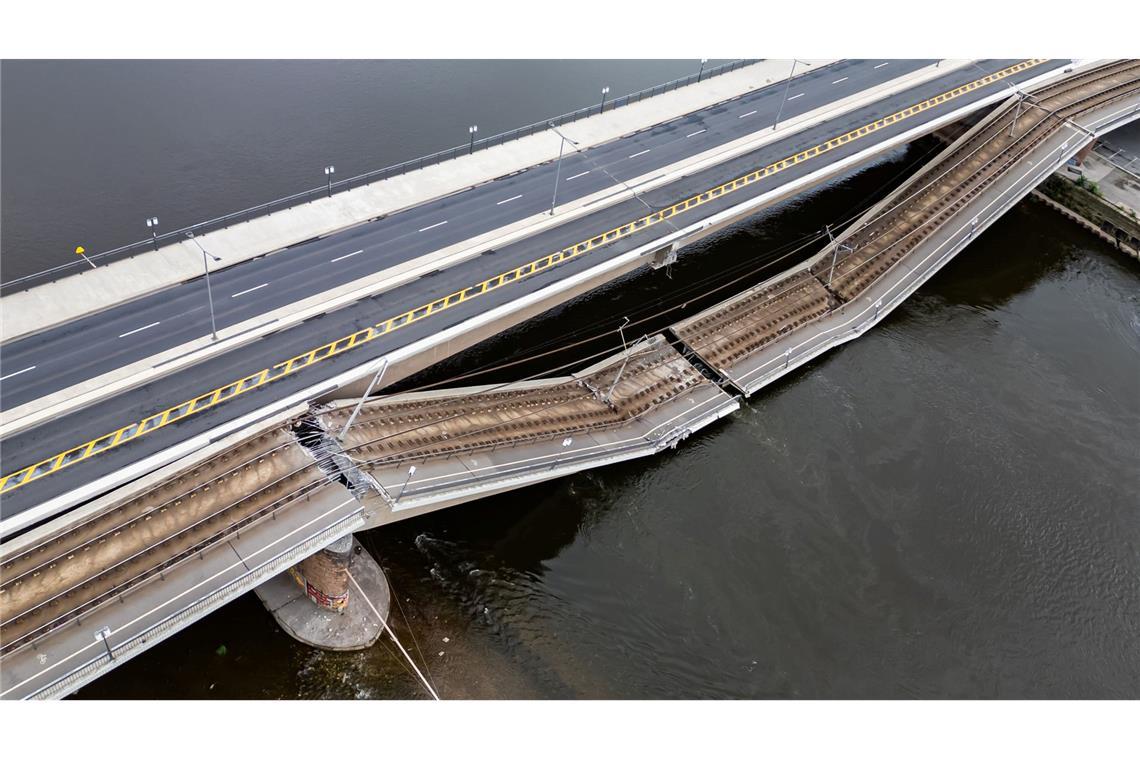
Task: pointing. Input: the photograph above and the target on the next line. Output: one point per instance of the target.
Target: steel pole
(411, 472)
(1016, 115)
(209, 294)
(557, 174)
(834, 254)
(352, 417)
(783, 100)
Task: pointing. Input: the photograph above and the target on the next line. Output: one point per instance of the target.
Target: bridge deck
(760, 335)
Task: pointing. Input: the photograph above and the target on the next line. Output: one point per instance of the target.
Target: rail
(213, 398)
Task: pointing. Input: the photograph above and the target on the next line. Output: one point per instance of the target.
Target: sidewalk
(92, 290)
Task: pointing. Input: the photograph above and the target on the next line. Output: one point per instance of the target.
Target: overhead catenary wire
(890, 208)
(391, 633)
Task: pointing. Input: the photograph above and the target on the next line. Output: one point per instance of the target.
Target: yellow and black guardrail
(220, 395)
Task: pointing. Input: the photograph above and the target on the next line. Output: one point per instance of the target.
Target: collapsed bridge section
(438, 448)
(757, 336)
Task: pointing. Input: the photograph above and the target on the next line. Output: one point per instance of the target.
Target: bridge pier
(332, 599)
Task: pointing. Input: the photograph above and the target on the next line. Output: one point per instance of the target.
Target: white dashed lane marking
(694, 134)
(508, 200)
(347, 256)
(433, 226)
(641, 153)
(579, 174)
(881, 65)
(837, 81)
(26, 369)
(139, 329)
(741, 116)
(796, 96)
(249, 290)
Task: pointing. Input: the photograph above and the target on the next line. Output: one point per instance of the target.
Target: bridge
(124, 509)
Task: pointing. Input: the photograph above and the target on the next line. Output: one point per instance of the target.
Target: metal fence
(305, 196)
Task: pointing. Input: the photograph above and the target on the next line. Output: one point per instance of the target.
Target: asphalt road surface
(100, 343)
(52, 438)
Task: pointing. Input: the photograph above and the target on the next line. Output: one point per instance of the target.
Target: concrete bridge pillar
(336, 599)
(1083, 153)
(324, 576)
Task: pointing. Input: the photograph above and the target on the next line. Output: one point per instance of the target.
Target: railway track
(388, 433)
(963, 175)
(70, 574)
(748, 324)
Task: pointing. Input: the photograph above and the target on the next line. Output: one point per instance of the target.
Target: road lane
(184, 384)
(78, 350)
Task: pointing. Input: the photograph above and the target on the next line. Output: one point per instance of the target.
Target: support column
(324, 576)
(331, 600)
(1084, 152)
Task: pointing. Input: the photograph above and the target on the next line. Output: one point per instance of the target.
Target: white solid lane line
(741, 116)
(580, 174)
(796, 96)
(26, 369)
(881, 65)
(508, 200)
(694, 134)
(347, 255)
(140, 329)
(242, 293)
(837, 81)
(641, 153)
(433, 226)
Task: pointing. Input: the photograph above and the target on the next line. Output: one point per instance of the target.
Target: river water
(946, 507)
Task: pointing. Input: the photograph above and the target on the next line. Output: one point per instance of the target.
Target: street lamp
(81, 251)
(329, 172)
(472, 130)
(605, 92)
(411, 472)
(785, 98)
(209, 293)
(152, 225)
(558, 166)
(702, 71)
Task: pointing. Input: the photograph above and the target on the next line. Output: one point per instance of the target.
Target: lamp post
(152, 225)
(702, 71)
(329, 172)
(472, 130)
(785, 98)
(209, 292)
(605, 92)
(411, 472)
(81, 251)
(558, 166)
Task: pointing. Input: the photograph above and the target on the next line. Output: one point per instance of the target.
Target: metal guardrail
(305, 196)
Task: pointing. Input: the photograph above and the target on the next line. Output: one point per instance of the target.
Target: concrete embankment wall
(1091, 211)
